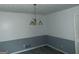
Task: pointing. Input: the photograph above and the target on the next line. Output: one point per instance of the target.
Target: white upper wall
(16, 25)
(61, 24)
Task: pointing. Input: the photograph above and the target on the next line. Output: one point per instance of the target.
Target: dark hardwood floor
(42, 50)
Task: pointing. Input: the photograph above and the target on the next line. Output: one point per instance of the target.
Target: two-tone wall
(16, 31)
(61, 25)
(57, 30)
(12, 46)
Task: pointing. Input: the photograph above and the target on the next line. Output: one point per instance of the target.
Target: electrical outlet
(27, 45)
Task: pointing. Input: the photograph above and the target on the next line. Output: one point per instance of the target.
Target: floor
(42, 50)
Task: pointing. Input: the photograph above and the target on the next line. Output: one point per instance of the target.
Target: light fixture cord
(35, 10)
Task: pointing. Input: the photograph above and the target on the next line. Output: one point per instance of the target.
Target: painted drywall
(16, 25)
(67, 46)
(22, 43)
(61, 24)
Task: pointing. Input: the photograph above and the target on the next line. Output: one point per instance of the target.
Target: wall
(61, 25)
(17, 34)
(16, 25)
(12, 46)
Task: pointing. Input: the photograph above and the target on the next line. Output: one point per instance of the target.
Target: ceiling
(29, 8)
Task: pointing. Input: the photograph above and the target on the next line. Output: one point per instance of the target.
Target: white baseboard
(38, 47)
(29, 49)
(57, 49)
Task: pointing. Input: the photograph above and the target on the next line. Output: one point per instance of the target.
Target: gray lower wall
(59, 43)
(62, 44)
(17, 45)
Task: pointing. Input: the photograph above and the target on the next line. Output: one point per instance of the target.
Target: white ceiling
(41, 8)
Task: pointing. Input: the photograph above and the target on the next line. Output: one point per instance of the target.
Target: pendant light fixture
(34, 20)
